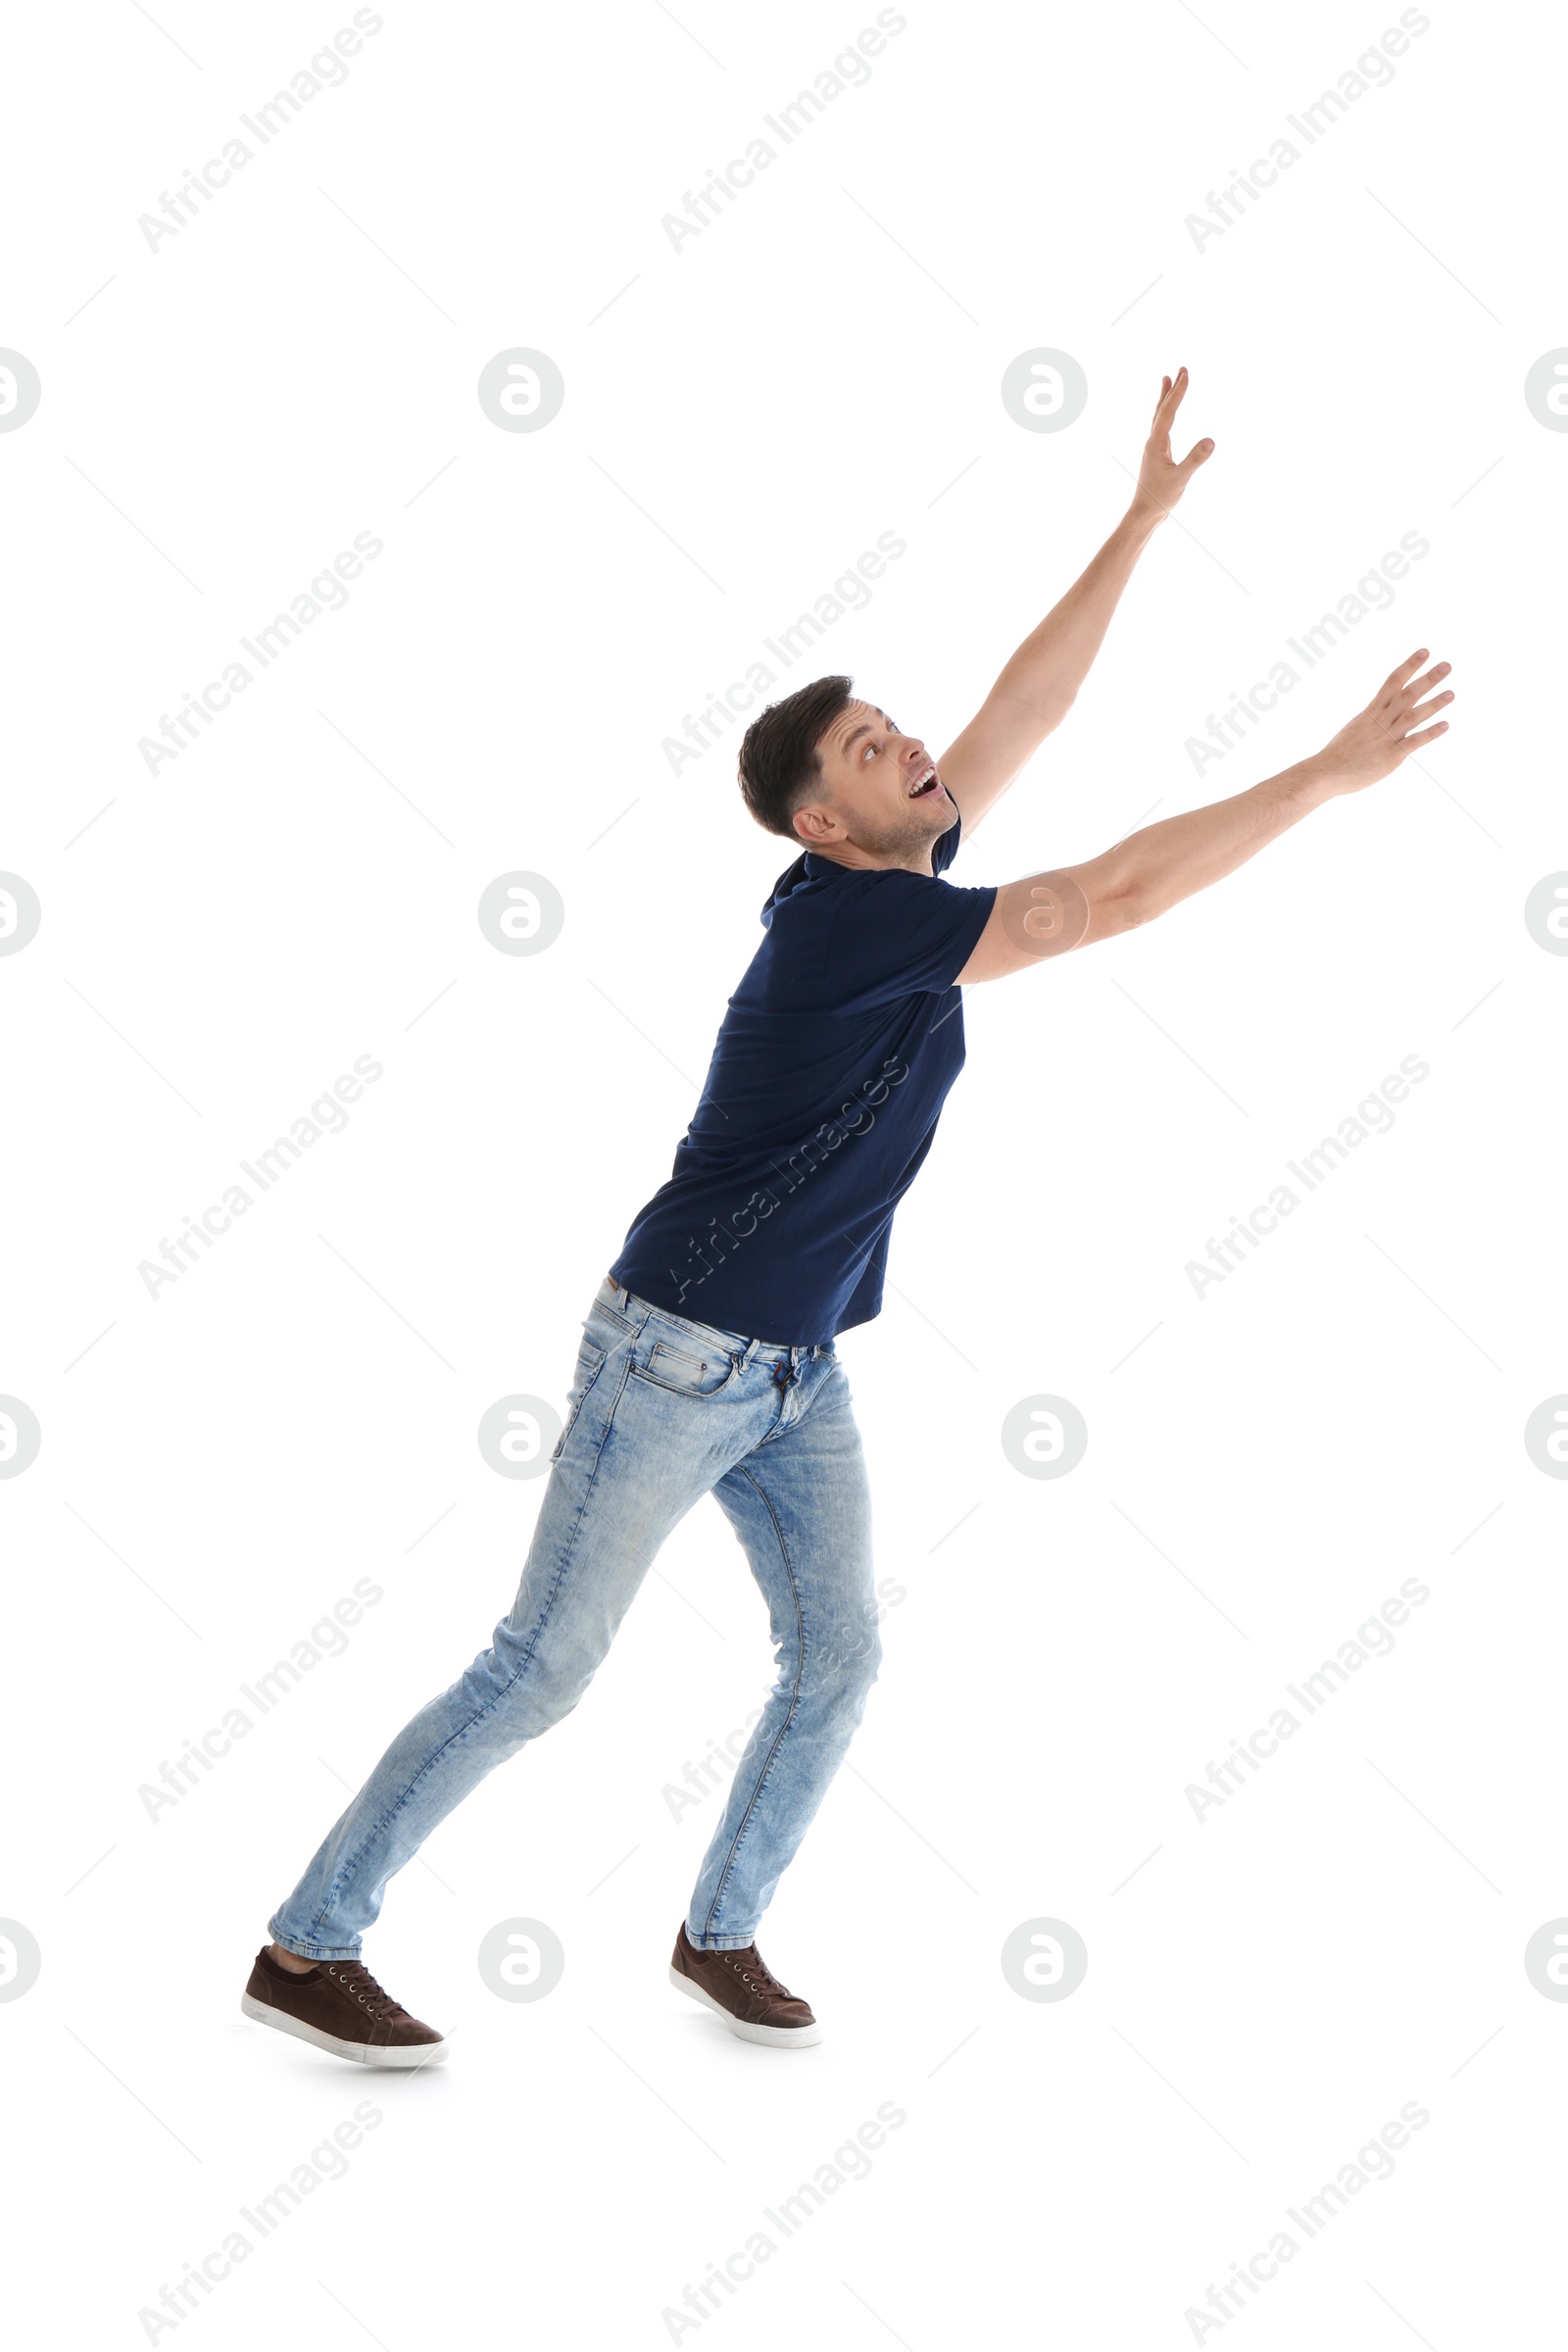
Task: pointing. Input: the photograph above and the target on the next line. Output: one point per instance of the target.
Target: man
(708, 1362)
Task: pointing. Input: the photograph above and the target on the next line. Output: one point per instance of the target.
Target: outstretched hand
(1395, 724)
(1161, 479)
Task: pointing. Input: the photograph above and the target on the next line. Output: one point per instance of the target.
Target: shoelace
(356, 1981)
(753, 1970)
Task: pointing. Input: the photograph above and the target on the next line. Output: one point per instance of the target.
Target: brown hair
(778, 758)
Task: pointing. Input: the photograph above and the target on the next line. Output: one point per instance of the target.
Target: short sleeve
(898, 935)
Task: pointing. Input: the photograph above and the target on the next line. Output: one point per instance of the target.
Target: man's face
(879, 791)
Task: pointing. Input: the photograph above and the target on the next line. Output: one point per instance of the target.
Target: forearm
(1042, 678)
(1157, 867)
(1038, 684)
(1048, 914)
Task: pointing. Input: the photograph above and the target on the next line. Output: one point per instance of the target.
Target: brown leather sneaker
(339, 2006)
(741, 1989)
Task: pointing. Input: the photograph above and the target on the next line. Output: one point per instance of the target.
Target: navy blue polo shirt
(831, 1067)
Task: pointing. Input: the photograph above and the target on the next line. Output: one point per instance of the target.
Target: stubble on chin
(923, 824)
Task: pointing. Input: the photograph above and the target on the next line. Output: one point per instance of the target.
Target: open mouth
(924, 785)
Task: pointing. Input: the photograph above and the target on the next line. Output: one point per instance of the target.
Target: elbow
(1126, 909)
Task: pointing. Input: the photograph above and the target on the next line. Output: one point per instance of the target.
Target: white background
(1266, 1464)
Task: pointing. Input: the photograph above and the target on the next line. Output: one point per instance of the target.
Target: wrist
(1143, 519)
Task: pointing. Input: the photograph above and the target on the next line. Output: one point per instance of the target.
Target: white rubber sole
(776, 2037)
(426, 2053)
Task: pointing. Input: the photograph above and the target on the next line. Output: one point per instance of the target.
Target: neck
(915, 860)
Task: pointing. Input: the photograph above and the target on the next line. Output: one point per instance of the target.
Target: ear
(813, 823)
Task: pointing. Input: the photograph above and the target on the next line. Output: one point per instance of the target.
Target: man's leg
(801, 1506)
(634, 1459)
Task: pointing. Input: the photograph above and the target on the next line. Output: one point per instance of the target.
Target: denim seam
(338, 1952)
(795, 1700)
(708, 1333)
(604, 1355)
(671, 1388)
(345, 1877)
(781, 1427)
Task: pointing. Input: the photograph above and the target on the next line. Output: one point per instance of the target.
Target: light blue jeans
(662, 1411)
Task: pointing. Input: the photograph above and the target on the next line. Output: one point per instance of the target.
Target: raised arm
(1048, 914)
(1035, 691)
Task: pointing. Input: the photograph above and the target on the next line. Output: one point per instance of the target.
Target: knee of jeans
(847, 1663)
(528, 1678)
